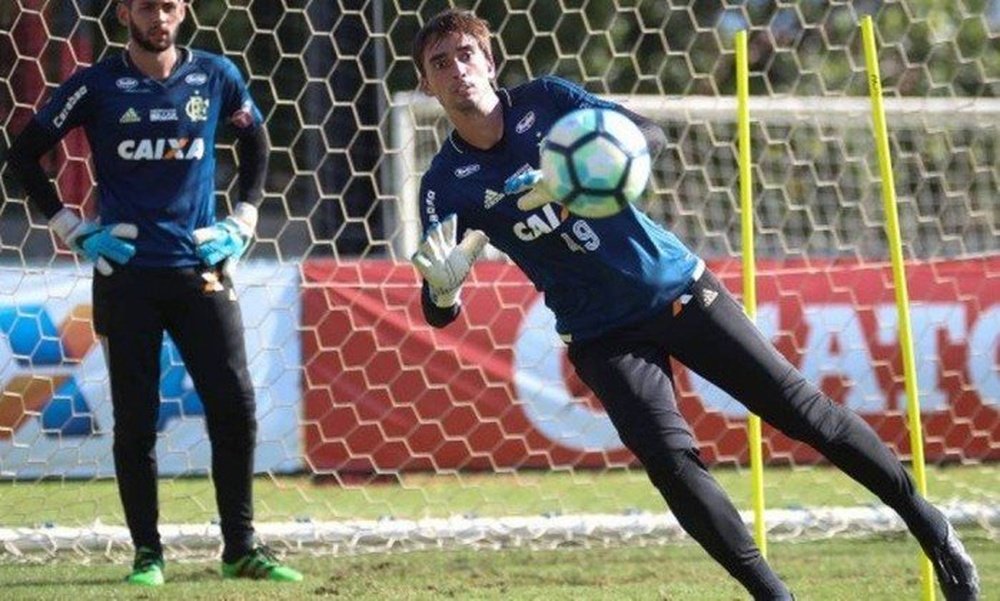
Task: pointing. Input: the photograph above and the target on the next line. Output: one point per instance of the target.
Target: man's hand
(228, 239)
(445, 264)
(528, 181)
(97, 243)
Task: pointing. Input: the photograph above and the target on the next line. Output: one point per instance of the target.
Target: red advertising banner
(494, 391)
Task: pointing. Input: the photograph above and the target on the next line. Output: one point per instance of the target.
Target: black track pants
(630, 372)
(132, 309)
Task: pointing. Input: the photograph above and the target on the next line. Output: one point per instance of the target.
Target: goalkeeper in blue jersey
(627, 295)
(162, 260)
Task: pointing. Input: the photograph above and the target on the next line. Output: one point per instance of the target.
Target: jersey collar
(461, 146)
(186, 58)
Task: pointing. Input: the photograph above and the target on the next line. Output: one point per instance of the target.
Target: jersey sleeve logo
(430, 208)
(197, 108)
(68, 107)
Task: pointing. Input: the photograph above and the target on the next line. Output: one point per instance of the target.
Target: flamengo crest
(197, 108)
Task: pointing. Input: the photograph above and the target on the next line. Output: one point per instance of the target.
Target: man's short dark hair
(452, 20)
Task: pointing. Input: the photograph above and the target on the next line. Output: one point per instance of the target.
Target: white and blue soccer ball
(595, 162)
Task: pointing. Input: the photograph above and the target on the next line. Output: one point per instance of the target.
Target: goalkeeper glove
(528, 181)
(228, 239)
(445, 264)
(101, 244)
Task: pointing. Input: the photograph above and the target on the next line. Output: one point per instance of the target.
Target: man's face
(458, 73)
(152, 24)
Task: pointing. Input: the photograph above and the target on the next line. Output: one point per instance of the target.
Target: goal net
(378, 432)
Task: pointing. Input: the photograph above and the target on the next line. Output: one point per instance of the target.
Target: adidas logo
(491, 198)
(708, 296)
(130, 116)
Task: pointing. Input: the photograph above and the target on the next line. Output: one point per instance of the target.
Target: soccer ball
(595, 162)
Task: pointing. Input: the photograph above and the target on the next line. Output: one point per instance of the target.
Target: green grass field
(871, 568)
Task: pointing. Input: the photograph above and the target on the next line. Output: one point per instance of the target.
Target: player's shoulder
(210, 61)
(109, 68)
(442, 164)
(546, 84)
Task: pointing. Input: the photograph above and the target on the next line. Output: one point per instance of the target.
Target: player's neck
(158, 65)
(480, 129)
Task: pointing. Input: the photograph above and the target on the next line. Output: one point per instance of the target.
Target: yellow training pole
(898, 277)
(749, 274)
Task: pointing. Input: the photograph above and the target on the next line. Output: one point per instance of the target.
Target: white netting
(373, 426)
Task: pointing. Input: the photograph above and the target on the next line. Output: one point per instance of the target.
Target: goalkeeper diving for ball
(162, 261)
(627, 295)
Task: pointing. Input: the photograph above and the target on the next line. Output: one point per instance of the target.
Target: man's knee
(670, 466)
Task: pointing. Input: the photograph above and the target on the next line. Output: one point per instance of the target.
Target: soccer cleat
(260, 564)
(147, 569)
(955, 570)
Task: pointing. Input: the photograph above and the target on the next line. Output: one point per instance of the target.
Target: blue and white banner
(55, 410)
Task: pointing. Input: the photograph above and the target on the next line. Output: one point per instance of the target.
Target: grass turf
(874, 569)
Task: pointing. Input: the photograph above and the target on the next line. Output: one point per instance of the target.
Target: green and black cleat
(147, 569)
(260, 564)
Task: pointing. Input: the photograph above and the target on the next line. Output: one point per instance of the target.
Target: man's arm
(571, 96)
(97, 243)
(224, 242)
(228, 239)
(435, 316)
(656, 138)
(252, 151)
(25, 158)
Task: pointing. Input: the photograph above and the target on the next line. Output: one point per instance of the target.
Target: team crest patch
(130, 116)
(491, 198)
(197, 108)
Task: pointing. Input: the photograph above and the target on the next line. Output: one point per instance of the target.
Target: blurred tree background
(325, 72)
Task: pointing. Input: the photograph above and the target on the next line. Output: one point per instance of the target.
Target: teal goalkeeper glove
(528, 182)
(228, 239)
(445, 264)
(100, 244)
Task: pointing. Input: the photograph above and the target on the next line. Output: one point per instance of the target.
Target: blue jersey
(595, 274)
(153, 144)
